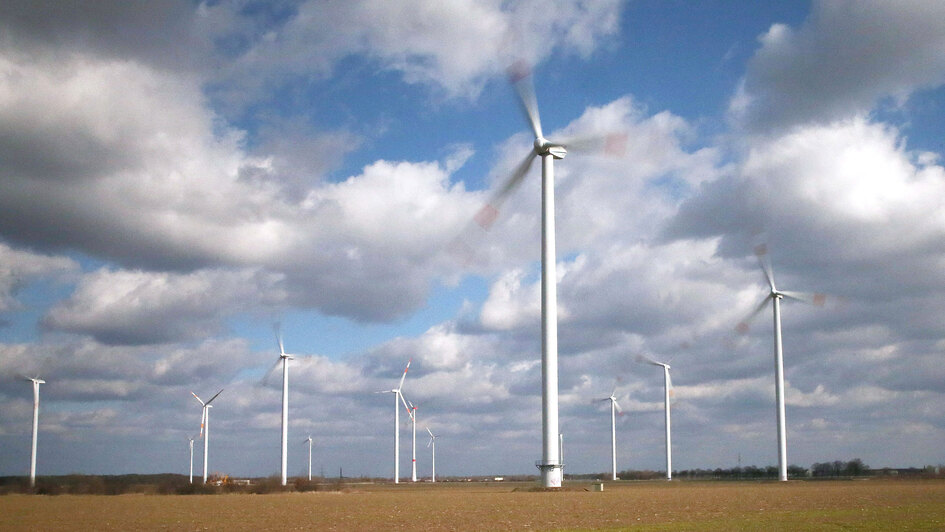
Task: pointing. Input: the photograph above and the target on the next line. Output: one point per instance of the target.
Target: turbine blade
(409, 411)
(214, 396)
(672, 391)
(431, 433)
(613, 144)
(520, 75)
(487, 215)
(197, 398)
(743, 325)
(429, 442)
(806, 297)
(266, 376)
(203, 420)
(761, 251)
(643, 359)
(617, 406)
(401, 385)
(277, 329)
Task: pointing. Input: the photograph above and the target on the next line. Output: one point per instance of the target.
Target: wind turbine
(191, 459)
(36, 382)
(614, 409)
(775, 296)
(520, 76)
(284, 358)
(433, 457)
(412, 412)
(669, 395)
(205, 428)
(309, 440)
(398, 398)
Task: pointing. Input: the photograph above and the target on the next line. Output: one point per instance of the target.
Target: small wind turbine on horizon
(775, 296)
(309, 440)
(284, 358)
(433, 457)
(520, 75)
(191, 441)
(398, 399)
(36, 382)
(205, 429)
(412, 412)
(614, 409)
(669, 395)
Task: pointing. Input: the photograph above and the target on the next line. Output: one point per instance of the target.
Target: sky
(176, 177)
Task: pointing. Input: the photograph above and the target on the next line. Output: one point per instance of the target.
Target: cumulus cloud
(18, 267)
(843, 60)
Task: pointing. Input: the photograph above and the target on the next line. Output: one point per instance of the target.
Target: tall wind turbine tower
(775, 296)
(412, 412)
(614, 409)
(205, 428)
(521, 78)
(309, 440)
(36, 382)
(284, 359)
(191, 459)
(433, 457)
(669, 395)
(398, 399)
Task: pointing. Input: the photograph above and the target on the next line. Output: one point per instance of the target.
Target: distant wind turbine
(775, 296)
(669, 395)
(614, 409)
(191, 441)
(412, 412)
(398, 398)
(36, 382)
(309, 440)
(432, 442)
(284, 358)
(520, 75)
(205, 428)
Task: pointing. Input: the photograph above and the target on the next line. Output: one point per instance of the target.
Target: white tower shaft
(613, 437)
(397, 437)
(669, 440)
(310, 458)
(779, 389)
(206, 440)
(35, 432)
(285, 416)
(191, 460)
(413, 457)
(550, 460)
(433, 474)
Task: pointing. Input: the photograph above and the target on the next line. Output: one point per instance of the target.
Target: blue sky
(175, 177)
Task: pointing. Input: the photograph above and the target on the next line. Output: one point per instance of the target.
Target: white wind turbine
(669, 395)
(412, 412)
(775, 296)
(309, 440)
(205, 428)
(433, 457)
(284, 358)
(36, 382)
(520, 76)
(191, 459)
(398, 398)
(614, 409)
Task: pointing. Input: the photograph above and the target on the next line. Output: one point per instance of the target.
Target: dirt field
(870, 505)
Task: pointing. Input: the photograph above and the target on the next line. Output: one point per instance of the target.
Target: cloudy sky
(178, 176)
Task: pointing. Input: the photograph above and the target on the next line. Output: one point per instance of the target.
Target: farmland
(824, 505)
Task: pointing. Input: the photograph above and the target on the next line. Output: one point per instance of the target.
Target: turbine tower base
(551, 473)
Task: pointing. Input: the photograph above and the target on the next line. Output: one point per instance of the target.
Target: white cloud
(845, 58)
(18, 267)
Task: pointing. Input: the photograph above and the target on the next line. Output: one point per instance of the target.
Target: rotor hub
(545, 147)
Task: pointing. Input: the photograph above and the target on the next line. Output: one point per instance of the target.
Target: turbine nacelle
(544, 146)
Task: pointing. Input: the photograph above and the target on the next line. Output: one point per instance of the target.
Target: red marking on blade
(486, 216)
(820, 299)
(761, 249)
(518, 71)
(742, 328)
(616, 144)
